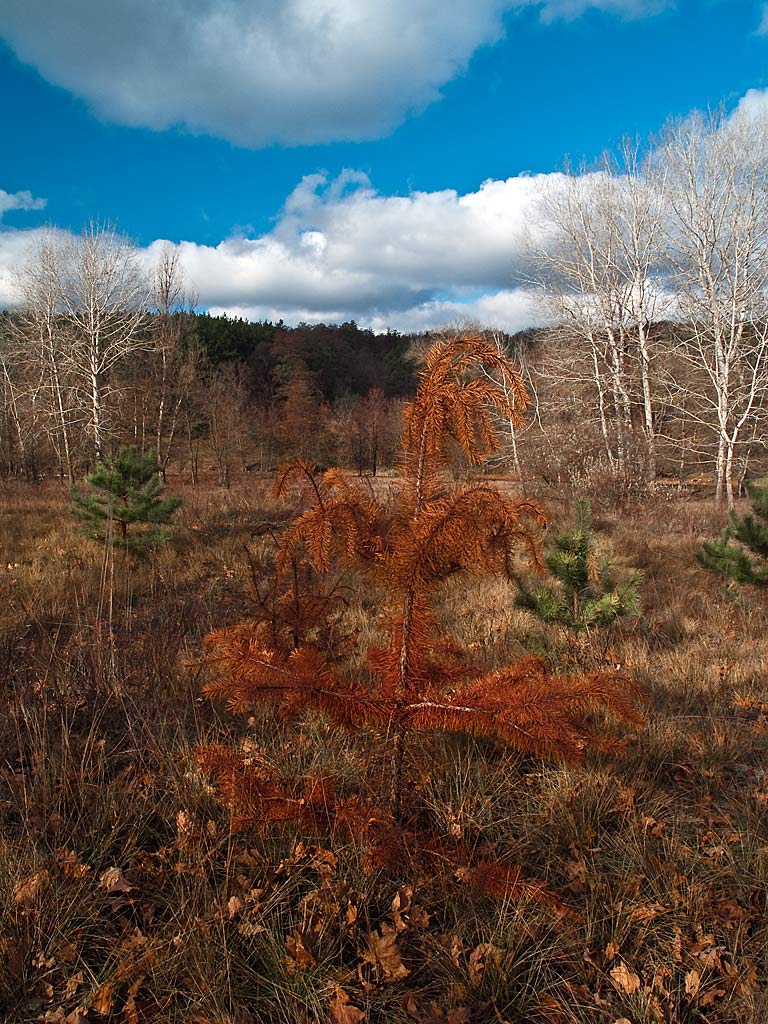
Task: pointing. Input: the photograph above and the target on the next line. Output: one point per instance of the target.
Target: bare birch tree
(716, 206)
(14, 433)
(104, 303)
(572, 269)
(175, 357)
(41, 343)
(634, 212)
(596, 269)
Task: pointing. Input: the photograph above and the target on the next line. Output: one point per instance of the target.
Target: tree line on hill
(96, 356)
(653, 268)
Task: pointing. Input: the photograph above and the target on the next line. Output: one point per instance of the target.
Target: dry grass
(660, 858)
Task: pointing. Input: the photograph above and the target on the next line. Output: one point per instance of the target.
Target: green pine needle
(124, 503)
(583, 589)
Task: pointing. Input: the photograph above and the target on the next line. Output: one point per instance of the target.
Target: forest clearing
(383, 512)
(165, 859)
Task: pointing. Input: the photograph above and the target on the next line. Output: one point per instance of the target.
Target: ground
(126, 896)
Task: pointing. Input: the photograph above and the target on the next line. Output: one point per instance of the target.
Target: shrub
(583, 590)
(126, 493)
(741, 552)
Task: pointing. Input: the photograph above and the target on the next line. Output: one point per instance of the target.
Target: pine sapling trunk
(399, 739)
(296, 601)
(396, 777)
(398, 754)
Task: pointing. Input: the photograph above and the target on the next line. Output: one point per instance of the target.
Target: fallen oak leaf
(29, 889)
(407, 914)
(58, 1016)
(482, 955)
(250, 928)
(748, 978)
(452, 945)
(70, 863)
(712, 957)
(342, 1011)
(646, 912)
(299, 956)
(73, 984)
(625, 980)
(103, 999)
(114, 881)
(384, 952)
(692, 982)
(431, 1014)
(130, 1011)
(611, 951)
(711, 996)
(401, 905)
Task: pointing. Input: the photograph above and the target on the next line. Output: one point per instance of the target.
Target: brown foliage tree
(301, 426)
(421, 682)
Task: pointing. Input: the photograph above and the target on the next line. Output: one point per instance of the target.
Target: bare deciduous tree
(104, 303)
(716, 206)
(14, 432)
(596, 268)
(225, 407)
(42, 342)
(175, 358)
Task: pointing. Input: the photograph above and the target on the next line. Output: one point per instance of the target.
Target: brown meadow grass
(125, 896)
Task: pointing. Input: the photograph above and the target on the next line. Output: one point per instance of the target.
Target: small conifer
(583, 590)
(741, 552)
(418, 680)
(126, 492)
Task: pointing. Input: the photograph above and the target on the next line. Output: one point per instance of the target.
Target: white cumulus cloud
(14, 246)
(340, 251)
(257, 72)
(19, 201)
(14, 243)
(754, 103)
(404, 262)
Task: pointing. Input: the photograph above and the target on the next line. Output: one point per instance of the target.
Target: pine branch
(527, 707)
(476, 529)
(741, 553)
(454, 402)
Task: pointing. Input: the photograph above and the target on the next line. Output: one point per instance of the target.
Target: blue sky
(215, 134)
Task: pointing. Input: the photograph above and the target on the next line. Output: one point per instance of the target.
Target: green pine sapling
(745, 561)
(583, 590)
(126, 493)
